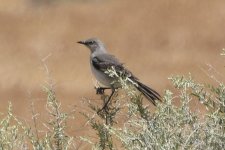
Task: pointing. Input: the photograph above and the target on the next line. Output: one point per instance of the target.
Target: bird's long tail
(148, 92)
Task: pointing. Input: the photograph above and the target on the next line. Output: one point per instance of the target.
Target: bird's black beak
(81, 42)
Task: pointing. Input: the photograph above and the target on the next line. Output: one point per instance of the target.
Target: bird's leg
(108, 100)
(100, 90)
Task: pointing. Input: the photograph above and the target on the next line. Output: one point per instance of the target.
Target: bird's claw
(100, 90)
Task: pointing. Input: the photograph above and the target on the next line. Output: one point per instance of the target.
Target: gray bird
(101, 61)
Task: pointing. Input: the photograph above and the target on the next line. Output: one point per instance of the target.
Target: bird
(101, 61)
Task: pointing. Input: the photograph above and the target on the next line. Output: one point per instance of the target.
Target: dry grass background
(161, 37)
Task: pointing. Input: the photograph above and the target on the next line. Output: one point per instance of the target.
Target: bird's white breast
(101, 77)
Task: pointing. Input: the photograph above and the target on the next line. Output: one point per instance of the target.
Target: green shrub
(16, 134)
(170, 126)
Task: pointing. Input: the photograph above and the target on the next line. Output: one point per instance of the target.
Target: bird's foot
(100, 90)
(106, 101)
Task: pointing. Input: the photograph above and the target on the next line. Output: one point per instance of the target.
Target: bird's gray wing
(105, 61)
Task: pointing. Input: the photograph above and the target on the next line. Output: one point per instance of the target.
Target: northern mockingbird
(101, 61)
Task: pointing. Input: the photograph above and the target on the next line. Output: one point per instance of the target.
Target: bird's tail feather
(148, 92)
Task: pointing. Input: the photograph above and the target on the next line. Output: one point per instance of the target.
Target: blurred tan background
(155, 39)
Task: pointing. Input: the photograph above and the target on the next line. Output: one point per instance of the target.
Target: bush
(170, 126)
(16, 134)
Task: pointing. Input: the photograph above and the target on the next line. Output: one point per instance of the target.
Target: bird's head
(93, 44)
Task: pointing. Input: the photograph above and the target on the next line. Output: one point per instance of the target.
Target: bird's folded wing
(105, 61)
